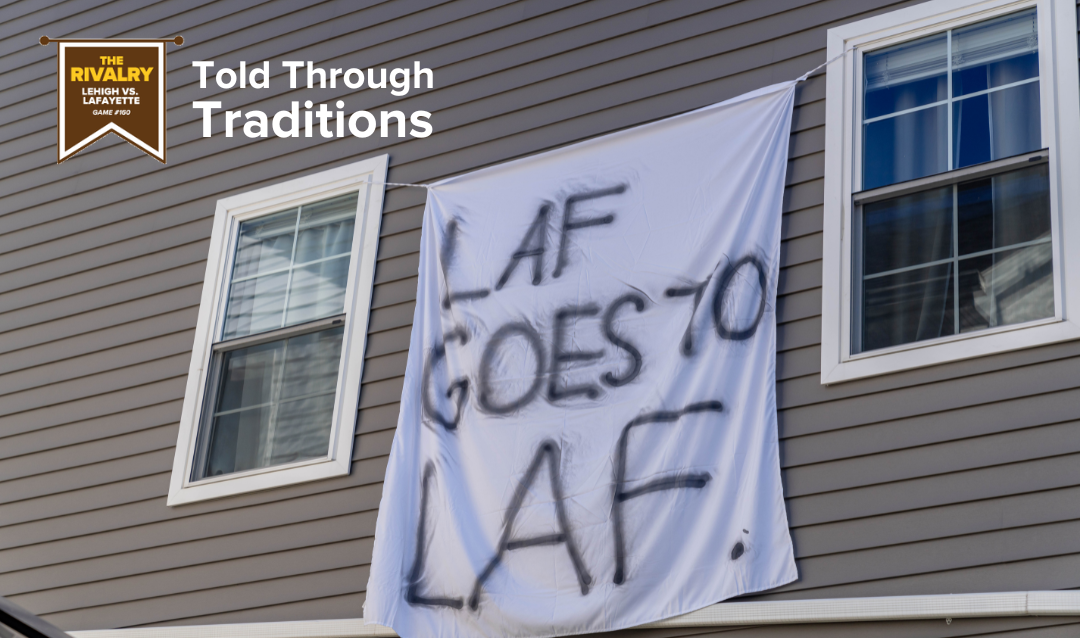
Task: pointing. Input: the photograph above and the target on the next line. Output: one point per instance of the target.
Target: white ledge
(1031, 603)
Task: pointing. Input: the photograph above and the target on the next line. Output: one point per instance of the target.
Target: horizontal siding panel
(390, 317)
(956, 487)
(799, 305)
(116, 335)
(167, 608)
(397, 268)
(104, 297)
(31, 494)
(381, 392)
(129, 398)
(373, 445)
(938, 522)
(94, 385)
(803, 222)
(804, 417)
(324, 608)
(1057, 572)
(301, 560)
(129, 512)
(385, 367)
(388, 341)
(798, 334)
(184, 296)
(384, 417)
(178, 343)
(15, 471)
(983, 419)
(161, 561)
(54, 281)
(938, 555)
(158, 530)
(99, 245)
(111, 425)
(394, 293)
(797, 363)
(953, 456)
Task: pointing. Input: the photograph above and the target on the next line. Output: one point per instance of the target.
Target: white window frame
(1060, 104)
(367, 177)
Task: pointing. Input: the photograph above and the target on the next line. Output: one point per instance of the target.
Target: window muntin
(955, 259)
(272, 402)
(950, 100)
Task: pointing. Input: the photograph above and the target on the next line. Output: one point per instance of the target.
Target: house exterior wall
(962, 477)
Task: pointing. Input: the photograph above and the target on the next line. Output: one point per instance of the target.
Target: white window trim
(1060, 96)
(368, 178)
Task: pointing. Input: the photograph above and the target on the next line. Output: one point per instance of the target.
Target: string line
(801, 78)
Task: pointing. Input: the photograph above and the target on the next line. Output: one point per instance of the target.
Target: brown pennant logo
(110, 86)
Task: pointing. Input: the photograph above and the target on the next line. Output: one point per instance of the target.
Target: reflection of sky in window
(950, 100)
(291, 267)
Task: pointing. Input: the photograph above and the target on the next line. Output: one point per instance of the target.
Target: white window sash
(1060, 106)
(367, 177)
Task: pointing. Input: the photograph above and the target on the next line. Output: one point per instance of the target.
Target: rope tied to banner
(802, 78)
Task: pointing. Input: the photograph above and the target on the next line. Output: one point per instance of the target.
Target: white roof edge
(989, 605)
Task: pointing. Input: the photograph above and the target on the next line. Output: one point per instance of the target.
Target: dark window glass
(909, 230)
(915, 286)
(905, 147)
(912, 305)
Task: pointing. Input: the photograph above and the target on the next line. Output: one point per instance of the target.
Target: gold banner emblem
(115, 86)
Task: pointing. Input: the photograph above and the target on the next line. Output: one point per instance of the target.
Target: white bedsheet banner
(587, 438)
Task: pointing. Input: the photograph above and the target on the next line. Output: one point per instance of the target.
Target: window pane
(905, 76)
(996, 125)
(905, 147)
(273, 263)
(274, 404)
(255, 305)
(1007, 287)
(312, 364)
(248, 376)
(326, 228)
(265, 244)
(303, 429)
(995, 52)
(909, 306)
(1003, 210)
(318, 290)
(906, 231)
(238, 439)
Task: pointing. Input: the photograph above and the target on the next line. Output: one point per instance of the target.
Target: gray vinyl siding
(957, 478)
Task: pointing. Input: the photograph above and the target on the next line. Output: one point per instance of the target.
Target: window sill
(258, 480)
(948, 349)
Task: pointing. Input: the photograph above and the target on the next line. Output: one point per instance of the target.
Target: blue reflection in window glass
(992, 113)
(996, 125)
(905, 76)
(905, 147)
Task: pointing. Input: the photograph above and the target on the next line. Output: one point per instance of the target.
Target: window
(274, 381)
(949, 126)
